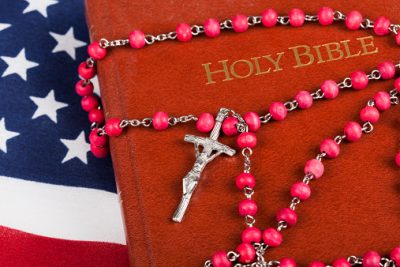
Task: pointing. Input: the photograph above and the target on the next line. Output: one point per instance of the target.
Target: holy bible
(354, 207)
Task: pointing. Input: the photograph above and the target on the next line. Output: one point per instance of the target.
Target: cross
(211, 149)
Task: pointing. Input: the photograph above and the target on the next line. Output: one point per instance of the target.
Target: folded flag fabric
(58, 204)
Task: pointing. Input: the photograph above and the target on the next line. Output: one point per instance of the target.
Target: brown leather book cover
(355, 206)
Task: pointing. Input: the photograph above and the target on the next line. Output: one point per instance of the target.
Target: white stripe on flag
(57, 211)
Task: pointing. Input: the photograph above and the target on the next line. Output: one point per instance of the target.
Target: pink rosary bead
(253, 121)
(269, 17)
(353, 20)
(397, 38)
(370, 114)
(89, 102)
(246, 139)
(229, 126)
(98, 151)
(247, 207)
(300, 190)
(325, 16)
(240, 23)
(314, 167)
(137, 39)
(395, 255)
(84, 88)
(245, 179)
(251, 235)
(287, 215)
(353, 131)
(212, 28)
(287, 262)
(381, 26)
(371, 259)
(272, 237)
(96, 52)
(397, 159)
(97, 140)
(184, 32)
(278, 111)
(86, 72)
(219, 259)
(96, 115)
(113, 127)
(304, 99)
(246, 252)
(205, 123)
(160, 120)
(397, 84)
(342, 262)
(382, 100)
(359, 80)
(296, 17)
(330, 89)
(330, 147)
(317, 264)
(387, 70)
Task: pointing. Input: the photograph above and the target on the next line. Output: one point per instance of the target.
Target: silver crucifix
(211, 149)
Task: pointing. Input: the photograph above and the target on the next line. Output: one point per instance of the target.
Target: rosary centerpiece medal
(211, 149)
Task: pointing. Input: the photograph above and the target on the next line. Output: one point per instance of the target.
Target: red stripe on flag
(23, 249)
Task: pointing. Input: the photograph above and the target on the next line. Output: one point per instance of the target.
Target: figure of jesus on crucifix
(211, 149)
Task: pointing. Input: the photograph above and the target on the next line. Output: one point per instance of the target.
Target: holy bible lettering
(302, 56)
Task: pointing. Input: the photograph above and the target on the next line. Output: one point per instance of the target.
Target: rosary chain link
(253, 20)
(232, 255)
(226, 24)
(367, 24)
(197, 29)
(207, 263)
(281, 225)
(374, 75)
(247, 152)
(265, 118)
(172, 121)
(291, 105)
(307, 178)
(284, 20)
(367, 127)
(320, 156)
(104, 43)
(295, 201)
(394, 99)
(318, 94)
(337, 15)
(311, 18)
(89, 62)
(354, 260)
(339, 138)
(394, 28)
(146, 122)
(346, 83)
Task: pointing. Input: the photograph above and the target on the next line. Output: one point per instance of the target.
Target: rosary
(250, 253)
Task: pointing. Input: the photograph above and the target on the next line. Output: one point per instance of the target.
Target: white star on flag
(77, 148)
(67, 42)
(4, 26)
(5, 135)
(39, 6)
(47, 106)
(18, 65)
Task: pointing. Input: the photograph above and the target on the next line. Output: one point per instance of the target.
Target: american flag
(58, 203)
